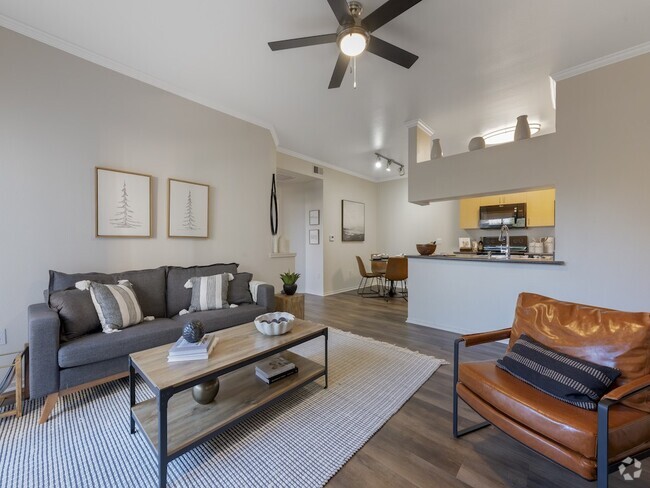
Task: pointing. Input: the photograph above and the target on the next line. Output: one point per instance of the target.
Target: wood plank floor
(415, 447)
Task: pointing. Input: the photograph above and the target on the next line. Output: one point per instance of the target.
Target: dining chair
(368, 278)
(397, 271)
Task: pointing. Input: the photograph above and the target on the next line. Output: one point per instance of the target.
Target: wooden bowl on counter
(426, 249)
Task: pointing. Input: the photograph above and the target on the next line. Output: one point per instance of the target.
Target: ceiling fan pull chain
(354, 70)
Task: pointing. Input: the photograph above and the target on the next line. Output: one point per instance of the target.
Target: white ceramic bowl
(274, 323)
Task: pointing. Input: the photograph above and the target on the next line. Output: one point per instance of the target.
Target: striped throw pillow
(575, 381)
(117, 305)
(209, 292)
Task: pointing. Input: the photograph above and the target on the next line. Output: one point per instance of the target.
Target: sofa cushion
(209, 292)
(76, 312)
(117, 305)
(93, 348)
(149, 286)
(66, 281)
(571, 380)
(602, 336)
(239, 291)
(221, 319)
(179, 297)
(565, 424)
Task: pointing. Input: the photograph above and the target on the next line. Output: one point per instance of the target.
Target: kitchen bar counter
(514, 259)
(468, 294)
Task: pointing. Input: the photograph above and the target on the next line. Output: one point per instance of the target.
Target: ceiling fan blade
(339, 71)
(391, 52)
(386, 13)
(302, 42)
(341, 11)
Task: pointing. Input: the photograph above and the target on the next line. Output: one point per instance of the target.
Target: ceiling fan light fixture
(353, 41)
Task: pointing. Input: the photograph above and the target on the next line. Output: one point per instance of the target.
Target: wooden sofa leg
(50, 403)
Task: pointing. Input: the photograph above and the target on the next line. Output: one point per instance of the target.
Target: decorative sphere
(193, 331)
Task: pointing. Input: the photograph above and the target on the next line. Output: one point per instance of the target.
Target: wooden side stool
(294, 304)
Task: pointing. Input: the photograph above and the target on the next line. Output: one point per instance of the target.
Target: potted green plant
(289, 279)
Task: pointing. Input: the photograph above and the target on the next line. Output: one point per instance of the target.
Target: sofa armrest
(266, 297)
(634, 386)
(484, 337)
(44, 333)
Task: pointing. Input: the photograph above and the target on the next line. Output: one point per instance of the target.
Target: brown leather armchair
(588, 443)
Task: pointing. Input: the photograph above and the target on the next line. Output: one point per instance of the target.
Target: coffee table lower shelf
(241, 394)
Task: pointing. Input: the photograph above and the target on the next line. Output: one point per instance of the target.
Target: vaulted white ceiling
(482, 62)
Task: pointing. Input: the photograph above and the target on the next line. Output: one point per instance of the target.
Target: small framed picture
(314, 236)
(122, 204)
(314, 217)
(465, 243)
(188, 209)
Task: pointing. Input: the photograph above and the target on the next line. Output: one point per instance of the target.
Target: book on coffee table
(191, 351)
(277, 377)
(273, 366)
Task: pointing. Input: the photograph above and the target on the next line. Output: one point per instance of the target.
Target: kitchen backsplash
(532, 233)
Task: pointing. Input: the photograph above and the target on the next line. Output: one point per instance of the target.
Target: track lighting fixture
(389, 163)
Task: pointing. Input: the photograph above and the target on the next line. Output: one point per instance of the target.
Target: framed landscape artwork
(122, 204)
(314, 236)
(188, 207)
(353, 221)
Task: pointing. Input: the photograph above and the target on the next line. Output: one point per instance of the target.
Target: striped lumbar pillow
(117, 305)
(209, 292)
(571, 380)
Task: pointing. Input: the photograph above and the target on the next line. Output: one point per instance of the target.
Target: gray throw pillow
(116, 305)
(209, 292)
(66, 281)
(76, 312)
(239, 292)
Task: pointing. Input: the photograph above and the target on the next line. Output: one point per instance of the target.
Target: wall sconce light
(389, 163)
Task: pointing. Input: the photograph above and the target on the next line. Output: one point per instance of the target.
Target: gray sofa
(67, 351)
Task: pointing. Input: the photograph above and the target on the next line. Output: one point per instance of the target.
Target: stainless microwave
(511, 214)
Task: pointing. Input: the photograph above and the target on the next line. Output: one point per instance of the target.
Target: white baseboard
(341, 290)
(456, 330)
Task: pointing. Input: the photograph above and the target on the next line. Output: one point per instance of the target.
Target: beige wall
(598, 163)
(404, 224)
(340, 270)
(60, 117)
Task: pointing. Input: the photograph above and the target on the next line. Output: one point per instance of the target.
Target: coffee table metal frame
(164, 395)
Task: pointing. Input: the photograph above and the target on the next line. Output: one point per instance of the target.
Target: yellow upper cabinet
(540, 207)
(469, 212)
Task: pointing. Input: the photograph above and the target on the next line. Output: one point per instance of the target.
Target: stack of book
(274, 369)
(192, 351)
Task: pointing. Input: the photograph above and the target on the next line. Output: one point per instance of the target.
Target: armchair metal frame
(603, 469)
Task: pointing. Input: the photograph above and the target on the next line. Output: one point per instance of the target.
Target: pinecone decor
(193, 331)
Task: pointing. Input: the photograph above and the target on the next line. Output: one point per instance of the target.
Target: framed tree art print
(122, 204)
(188, 207)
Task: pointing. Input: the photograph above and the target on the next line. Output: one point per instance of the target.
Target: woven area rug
(301, 441)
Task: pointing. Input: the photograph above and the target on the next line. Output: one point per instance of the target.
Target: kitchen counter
(469, 293)
(514, 259)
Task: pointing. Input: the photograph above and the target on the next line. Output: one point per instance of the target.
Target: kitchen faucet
(504, 228)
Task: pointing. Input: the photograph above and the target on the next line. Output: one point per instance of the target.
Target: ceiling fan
(353, 35)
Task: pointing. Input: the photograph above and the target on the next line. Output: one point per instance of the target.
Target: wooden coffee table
(174, 423)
